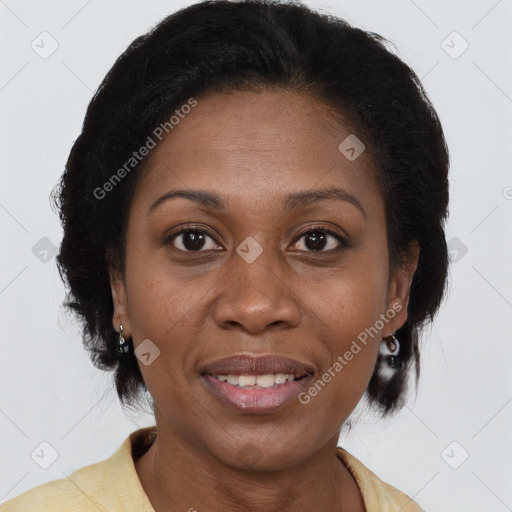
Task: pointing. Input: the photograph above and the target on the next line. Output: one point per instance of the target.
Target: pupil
(193, 240)
(317, 240)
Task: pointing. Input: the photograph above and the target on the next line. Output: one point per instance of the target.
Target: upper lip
(245, 364)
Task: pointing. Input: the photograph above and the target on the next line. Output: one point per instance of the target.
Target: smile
(257, 393)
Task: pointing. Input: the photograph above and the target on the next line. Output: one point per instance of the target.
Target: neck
(181, 474)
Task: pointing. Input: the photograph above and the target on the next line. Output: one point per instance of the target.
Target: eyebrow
(292, 202)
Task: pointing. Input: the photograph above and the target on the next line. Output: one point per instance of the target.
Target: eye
(321, 240)
(192, 240)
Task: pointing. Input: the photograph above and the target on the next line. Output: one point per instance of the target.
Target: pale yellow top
(112, 485)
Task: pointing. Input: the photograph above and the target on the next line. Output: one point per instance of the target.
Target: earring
(393, 360)
(122, 345)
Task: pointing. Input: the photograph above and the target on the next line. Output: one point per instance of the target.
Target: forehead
(262, 145)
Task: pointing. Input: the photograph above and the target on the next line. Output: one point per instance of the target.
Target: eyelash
(343, 243)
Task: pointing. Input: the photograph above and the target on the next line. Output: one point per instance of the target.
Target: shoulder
(378, 496)
(79, 491)
(106, 486)
(62, 494)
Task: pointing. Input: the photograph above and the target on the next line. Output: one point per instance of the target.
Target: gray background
(50, 390)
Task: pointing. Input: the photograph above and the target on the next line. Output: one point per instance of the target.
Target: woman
(253, 234)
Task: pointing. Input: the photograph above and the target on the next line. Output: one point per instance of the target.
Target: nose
(256, 297)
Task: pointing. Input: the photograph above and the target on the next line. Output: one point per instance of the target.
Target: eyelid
(188, 228)
(342, 240)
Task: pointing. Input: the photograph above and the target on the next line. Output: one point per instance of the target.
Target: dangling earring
(122, 345)
(392, 358)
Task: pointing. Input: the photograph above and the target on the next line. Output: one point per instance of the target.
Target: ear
(120, 316)
(400, 287)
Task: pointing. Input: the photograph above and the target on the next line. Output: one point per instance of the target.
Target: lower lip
(257, 400)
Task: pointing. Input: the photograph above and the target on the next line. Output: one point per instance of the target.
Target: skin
(253, 149)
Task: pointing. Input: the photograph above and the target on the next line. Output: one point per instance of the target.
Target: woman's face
(253, 281)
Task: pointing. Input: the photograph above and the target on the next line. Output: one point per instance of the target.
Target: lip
(257, 401)
(252, 400)
(246, 364)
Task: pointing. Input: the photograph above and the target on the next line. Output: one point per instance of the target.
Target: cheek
(159, 303)
(346, 308)
(169, 307)
(350, 298)
(352, 348)
(162, 309)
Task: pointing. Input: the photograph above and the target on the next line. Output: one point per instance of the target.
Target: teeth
(281, 378)
(232, 379)
(263, 381)
(246, 380)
